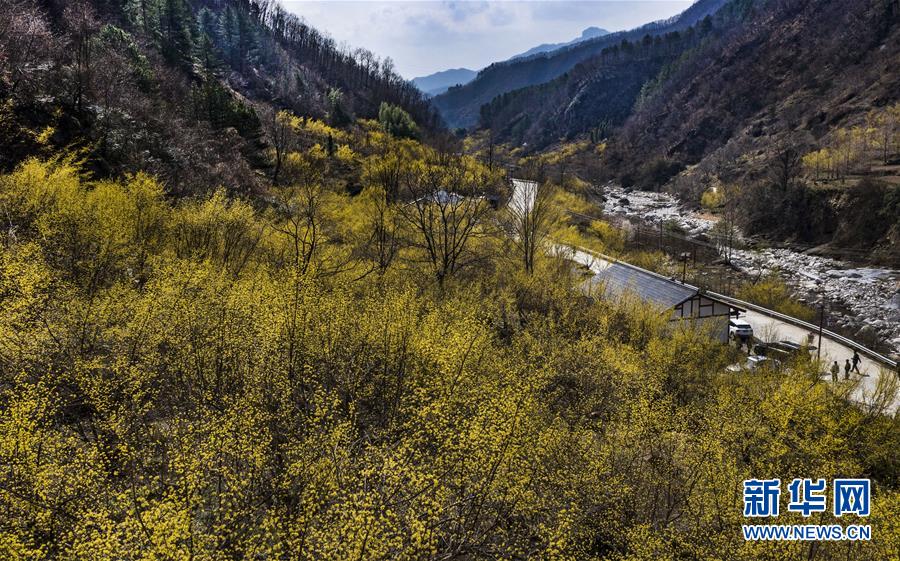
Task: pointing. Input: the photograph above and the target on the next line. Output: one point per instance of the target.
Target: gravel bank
(862, 300)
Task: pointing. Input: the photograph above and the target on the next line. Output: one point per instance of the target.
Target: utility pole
(818, 282)
(684, 260)
(821, 325)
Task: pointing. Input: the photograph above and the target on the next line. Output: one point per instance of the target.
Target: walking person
(847, 370)
(835, 370)
(856, 361)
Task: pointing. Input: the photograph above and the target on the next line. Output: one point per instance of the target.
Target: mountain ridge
(439, 82)
(589, 33)
(460, 107)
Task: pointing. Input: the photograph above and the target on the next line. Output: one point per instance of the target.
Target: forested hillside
(183, 89)
(786, 105)
(460, 107)
(797, 78)
(596, 96)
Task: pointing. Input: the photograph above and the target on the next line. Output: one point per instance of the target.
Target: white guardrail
(877, 357)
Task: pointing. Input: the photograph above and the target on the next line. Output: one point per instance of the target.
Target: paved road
(771, 329)
(768, 329)
(765, 328)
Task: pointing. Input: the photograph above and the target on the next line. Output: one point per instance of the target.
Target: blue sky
(424, 36)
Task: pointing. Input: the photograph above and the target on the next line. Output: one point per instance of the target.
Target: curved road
(872, 379)
(768, 329)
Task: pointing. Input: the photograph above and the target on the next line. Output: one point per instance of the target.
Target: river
(862, 301)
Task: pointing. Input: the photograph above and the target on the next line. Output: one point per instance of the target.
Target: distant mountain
(595, 96)
(589, 33)
(439, 82)
(460, 106)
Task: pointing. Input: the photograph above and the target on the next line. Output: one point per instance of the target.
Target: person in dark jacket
(856, 361)
(847, 370)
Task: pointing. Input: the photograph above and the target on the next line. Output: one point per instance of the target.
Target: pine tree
(176, 23)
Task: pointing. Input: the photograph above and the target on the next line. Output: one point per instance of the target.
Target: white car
(739, 328)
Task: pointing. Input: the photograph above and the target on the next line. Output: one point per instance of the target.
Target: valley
(863, 302)
(262, 297)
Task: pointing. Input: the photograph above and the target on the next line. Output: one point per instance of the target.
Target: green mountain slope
(460, 106)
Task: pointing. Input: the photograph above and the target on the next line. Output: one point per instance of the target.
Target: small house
(684, 303)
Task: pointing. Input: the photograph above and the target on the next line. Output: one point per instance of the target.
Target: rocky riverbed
(862, 301)
(654, 208)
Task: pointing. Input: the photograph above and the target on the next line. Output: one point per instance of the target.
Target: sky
(425, 36)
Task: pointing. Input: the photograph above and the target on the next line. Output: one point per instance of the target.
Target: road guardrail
(877, 357)
(874, 355)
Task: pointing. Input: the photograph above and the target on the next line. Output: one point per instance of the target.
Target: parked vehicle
(752, 363)
(783, 350)
(739, 329)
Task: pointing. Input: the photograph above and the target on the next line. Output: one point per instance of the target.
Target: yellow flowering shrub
(218, 378)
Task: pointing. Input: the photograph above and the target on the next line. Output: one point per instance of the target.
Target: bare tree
(446, 145)
(726, 232)
(528, 217)
(446, 213)
(83, 25)
(115, 83)
(25, 39)
(280, 129)
(786, 166)
(300, 209)
(384, 242)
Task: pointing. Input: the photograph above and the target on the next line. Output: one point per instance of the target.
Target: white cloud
(426, 36)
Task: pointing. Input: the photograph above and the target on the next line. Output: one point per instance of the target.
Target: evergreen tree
(396, 121)
(177, 24)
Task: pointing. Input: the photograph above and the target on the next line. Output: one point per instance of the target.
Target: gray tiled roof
(620, 279)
